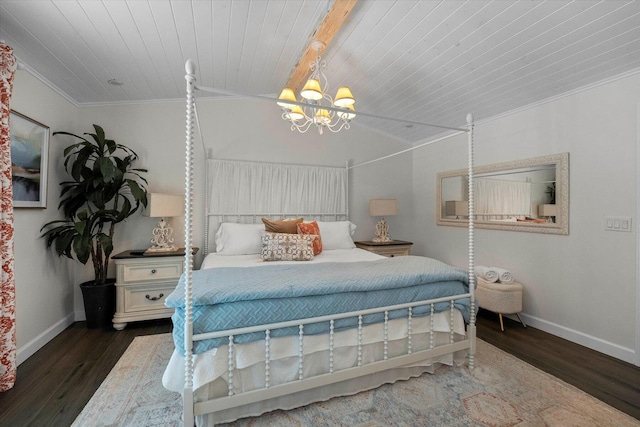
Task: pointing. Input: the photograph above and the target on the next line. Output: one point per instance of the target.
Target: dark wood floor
(55, 383)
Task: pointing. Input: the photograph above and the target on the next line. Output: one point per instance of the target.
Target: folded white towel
(488, 274)
(504, 276)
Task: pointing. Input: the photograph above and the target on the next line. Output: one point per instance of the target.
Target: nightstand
(143, 282)
(389, 249)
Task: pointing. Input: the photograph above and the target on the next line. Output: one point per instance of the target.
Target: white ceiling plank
(422, 60)
(48, 36)
(108, 44)
(204, 33)
(540, 69)
(236, 50)
(147, 25)
(294, 32)
(222, 28)
(162, 16)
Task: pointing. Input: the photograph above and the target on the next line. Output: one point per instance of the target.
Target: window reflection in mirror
(524, 195)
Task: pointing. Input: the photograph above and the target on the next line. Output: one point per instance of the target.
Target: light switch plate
(617, 223)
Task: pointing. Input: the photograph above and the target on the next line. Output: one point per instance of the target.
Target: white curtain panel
(271, 188)
(498, 199)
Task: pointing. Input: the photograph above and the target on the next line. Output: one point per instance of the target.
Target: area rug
(501, 391)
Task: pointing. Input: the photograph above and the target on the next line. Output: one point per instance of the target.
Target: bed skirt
(211, 368)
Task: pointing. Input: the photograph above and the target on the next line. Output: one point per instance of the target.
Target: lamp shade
(344, 97)
(295, 112)
(348, 115)
(456, 207)
(312, 90)
(547, 210)
(164, 205)
(322, 116)
(383, 207)
(286, 95)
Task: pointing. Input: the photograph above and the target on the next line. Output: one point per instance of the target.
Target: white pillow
(239, 239)
(337, 234)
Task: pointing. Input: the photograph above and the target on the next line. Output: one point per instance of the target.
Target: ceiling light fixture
(302, 117)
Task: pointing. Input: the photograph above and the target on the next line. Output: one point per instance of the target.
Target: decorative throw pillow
(239, 239)
(287, 247)
(282, 226)
(336, 234)
(312, 229)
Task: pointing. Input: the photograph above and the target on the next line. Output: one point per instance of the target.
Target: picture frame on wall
(29, 160)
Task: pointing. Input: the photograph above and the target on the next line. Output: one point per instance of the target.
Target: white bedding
(211, 368)
(336, 255)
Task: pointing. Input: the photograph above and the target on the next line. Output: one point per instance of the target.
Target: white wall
(44, 283)
(156, 131)
(581, 286)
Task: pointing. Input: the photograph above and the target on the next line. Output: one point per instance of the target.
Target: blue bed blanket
(234, 297)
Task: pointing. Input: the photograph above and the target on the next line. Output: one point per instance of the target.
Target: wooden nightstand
(143, 282)
(389, 249)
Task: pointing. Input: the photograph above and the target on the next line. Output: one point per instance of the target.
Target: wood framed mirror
(530, 195)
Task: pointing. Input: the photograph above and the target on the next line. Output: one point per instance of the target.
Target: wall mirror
(529, 195)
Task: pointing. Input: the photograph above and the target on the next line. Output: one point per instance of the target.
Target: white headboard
(244, 192)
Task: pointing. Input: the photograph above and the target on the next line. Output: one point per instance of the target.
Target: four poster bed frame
(387, 363)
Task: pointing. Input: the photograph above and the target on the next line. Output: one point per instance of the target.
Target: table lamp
(548, 212)
(382, 208)
(456, 208)
(163, 206)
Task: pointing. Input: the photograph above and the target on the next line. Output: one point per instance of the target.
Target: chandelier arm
(302, 104)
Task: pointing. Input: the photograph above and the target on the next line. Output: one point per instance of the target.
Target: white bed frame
(191, 409)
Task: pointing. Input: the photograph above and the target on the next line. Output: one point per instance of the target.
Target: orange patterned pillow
(313, 229)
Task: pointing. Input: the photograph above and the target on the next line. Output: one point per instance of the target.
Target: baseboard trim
(614, 350)
(27, 350)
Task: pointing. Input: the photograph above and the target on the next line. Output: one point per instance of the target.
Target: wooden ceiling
(429, 61)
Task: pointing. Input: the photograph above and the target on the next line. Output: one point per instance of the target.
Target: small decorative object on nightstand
(163, 206)
(389, 249)
(143, 282)
(382, 207)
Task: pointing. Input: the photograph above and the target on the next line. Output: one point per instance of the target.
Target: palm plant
(104, 190)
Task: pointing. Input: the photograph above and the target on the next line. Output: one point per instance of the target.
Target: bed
(254, 336)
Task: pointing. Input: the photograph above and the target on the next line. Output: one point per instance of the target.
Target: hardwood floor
(55, 383)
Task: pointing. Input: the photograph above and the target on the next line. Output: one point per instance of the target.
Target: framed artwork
(29, 158)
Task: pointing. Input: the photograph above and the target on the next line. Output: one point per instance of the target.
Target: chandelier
(319, 108)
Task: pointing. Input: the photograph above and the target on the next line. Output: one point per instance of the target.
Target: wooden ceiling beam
(324, 33)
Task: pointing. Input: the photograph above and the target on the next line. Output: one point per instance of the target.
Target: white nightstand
(389, 249)
(143, 282)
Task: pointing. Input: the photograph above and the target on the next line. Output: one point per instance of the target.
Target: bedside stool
(389, 249)
(501, 298)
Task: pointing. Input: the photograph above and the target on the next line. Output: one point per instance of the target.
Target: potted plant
(104, 190)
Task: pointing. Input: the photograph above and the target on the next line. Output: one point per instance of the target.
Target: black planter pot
(99, 303)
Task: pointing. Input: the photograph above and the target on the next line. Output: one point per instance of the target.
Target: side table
(143, 282)
(389, 249)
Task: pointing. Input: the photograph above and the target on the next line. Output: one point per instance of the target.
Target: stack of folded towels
(494, 274)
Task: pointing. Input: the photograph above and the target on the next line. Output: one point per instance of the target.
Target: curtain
(497, 199)
(7, 283)
(271, 188)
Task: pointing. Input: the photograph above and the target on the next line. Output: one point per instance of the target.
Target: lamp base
(162, 238)
(382, 232)
(382, 240)
(160, 249)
